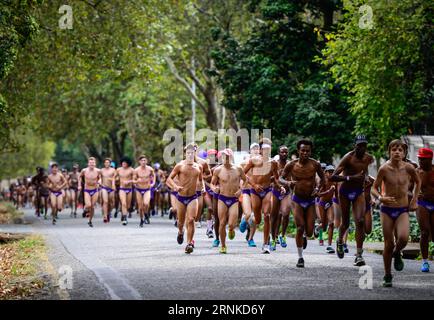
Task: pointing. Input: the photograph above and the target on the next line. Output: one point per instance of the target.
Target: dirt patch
(21, 264)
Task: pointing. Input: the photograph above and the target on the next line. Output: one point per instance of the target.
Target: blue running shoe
(425, 267)
(282, 241)
(216, 243)
(273, 245)
(243, 225)
(251, 243)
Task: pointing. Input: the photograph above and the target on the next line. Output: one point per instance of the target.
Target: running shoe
(192, 243)
(130, 215)
(147, 221)
(170, 214)
(105, 220)
(90, 224)
(75, 214)
(359, 261)
(216, 243)
(321, 243)
(54, 221)
(251, 243)
(330, 249)
(398, 263)
(340, 250)
(277, 241)
(210, 234)
(243, 225)
(345, 248)
(425, 267)
(265, 249)
(223, 250)
(231, 235)
(198, 224)
(248, 234)
(180, 238)
(189, 248)
(176, 223)
(300, 263)
(141, 223)
(282, 240)
(116, 214)
(273, 245)
(304, 242)
(387, 281)
(316, 230)
(124, 221)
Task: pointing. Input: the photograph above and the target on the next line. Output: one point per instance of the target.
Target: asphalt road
(111, 261)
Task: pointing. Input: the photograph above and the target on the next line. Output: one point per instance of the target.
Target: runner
(73, 189)
(210, 197)
(188, 172)
(226, 183)
(31, 195)
(354, 166)
(91, 176)
(325, 207)
(281, 204)
(107, 188)
(44, 193)
(65, 190)
(21, 193)
(125, 173)
(36, 182)
(302, 172)
(263, 168)
(318, 229)
(56, 183)
(393, 179)
(200, 190)
(425, 211)
(144, 179)
(369, 202)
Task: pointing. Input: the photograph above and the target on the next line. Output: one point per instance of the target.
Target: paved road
(127, 262)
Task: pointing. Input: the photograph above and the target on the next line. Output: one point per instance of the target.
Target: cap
(323, 165)
(212, 151)
(425, 153)
(330, 167)
(202, 154)
(227, 152)
(156, 165)
(266, 145)
(254, 145)
(361, 138)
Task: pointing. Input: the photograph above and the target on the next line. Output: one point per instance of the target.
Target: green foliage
(388, 70)
(273, 80)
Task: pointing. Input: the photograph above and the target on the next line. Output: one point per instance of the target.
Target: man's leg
(146, 204)
(256, 208)
(53, 207)
(208, 202)
(216, 220)
(359, 208)
(199, 209)
(266, 208)
(274, 217)
(301, 226)
(388, 226)
(331, 225)
(324, 222)
(174, 204)
(402, 227)
(181, 212)
(94, 199)
(285, 209)
(191, 213)
(124, 204)
(368, 221)
(223, 219)
(345, 223)
(59, 203)
(88, 204)
(140, 206)
(105, 203)
(233, 219)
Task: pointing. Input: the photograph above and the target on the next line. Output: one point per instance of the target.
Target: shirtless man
(56, 184)
(263, 168)
(144, 179)
(73, 189)
(126, 176)
(92, 176)
(247, 221)
(107, 187)
(393, 179)
(189, 173)
(206, 176)
(36, 182)
(281, 204)
(66, 194)
(302, 172)
(325, 207)
(226, 183)
(21, 193)
(425, 211)
(210, 199)
(354, 166)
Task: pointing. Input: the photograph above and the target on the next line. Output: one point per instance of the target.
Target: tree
(388, 69)
(273, 80)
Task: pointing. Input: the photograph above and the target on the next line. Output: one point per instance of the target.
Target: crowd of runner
(262, 190)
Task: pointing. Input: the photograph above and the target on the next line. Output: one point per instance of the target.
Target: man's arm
(207, 175)
(287, 170)
(152, 176)
(321, 175)
(62, 177)
(79, 178)
(418, 184)
(214, 181)
(172, 175)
